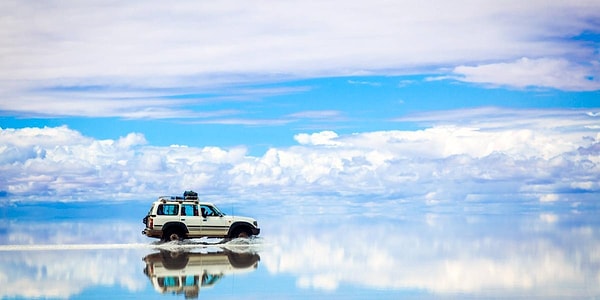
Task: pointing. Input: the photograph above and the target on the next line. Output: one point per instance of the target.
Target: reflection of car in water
(187, 272)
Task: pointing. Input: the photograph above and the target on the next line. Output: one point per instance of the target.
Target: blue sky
(265, 98)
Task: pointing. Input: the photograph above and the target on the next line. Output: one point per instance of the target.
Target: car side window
(207, 211)
(189, 210)
(168, 209)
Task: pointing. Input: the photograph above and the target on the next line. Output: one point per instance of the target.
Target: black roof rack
(188, 196)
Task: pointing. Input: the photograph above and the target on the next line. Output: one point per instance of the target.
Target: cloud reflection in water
(539, 250)
(541, 254)
(62, 274)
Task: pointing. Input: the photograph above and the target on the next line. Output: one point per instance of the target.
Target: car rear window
(168, 209)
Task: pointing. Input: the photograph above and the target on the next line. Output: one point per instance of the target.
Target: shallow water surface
(322, 249)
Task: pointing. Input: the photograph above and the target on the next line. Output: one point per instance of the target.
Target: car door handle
(182, 219)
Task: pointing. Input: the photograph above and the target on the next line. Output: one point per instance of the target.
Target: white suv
(176, 218)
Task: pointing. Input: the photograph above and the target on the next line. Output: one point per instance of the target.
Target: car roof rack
(178, 199)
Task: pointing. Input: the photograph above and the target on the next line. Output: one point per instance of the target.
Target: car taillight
(150, 222)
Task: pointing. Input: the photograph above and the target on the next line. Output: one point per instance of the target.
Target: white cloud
(489, 151)
(133, 102)
(549, 198)
(499, 119)
(317, 114)
(543, 72)
(321, 138)
(367, 83)
(245, 121)
(82, 55)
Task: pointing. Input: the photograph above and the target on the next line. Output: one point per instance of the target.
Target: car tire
(241, 233)
(173, 235)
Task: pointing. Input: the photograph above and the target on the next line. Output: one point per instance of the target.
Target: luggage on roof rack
(190, 195)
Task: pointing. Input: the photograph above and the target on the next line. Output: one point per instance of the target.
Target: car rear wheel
(173, 235)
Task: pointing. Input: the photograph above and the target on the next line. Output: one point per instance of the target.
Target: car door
(213, 222)
(190, 216)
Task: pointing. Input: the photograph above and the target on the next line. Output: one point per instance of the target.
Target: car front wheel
(241, 233)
